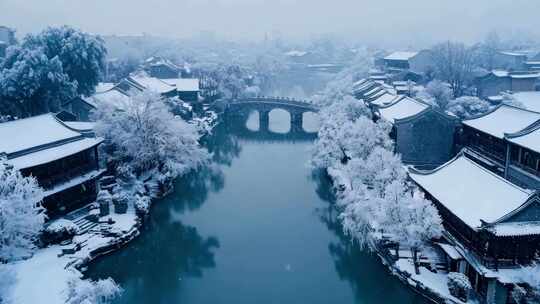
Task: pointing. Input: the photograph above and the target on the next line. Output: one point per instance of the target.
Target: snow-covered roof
(530, 99)
(528, 138)
(516, 75)
(385, 99)
(503, 119)
(295, 53)
(401, 56)
(80, 125)
(512, 53)
(51, 154)
(104, 86)
(23, 134)
(516, 229)
(184, 84)
(403, 108)
(152, 83)
(112, 97)
(450, 251)
(471, 192)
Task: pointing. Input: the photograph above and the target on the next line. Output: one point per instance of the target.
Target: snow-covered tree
(21, 217)
(82, 55)
(147, 136)
(91, 292)
(409, 220)
(339, 142)
(378, 170)
(49, 69)
(467, 106)
(453, 63)
(31, 83)
(440, 92)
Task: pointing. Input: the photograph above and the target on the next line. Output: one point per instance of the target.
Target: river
(256, 227)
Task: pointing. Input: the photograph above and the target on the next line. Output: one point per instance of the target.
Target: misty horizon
(410, 24)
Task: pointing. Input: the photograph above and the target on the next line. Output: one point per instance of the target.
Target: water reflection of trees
(367, 276)
(153, 266)
(222, 145)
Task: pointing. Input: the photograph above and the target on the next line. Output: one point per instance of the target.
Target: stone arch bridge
(262, 104)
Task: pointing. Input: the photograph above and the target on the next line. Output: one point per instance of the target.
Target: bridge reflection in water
(238, 113)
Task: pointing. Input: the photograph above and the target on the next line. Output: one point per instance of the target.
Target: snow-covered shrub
(467, 106)
(459, 285)
(59, 231)
(142, 204)
(91, 292)
(21, 217)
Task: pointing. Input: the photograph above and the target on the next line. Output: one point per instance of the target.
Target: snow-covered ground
(44, 277)
(436, 282)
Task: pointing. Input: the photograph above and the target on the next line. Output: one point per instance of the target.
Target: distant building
(499, 81)
(187, 88)
(161, 68)
(420, 62)
(492, 226)
(65, 162)
(7, 38)
(141, 82)
(509, 60)
(424, 136)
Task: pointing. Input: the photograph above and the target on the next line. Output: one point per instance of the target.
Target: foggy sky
(403, 22)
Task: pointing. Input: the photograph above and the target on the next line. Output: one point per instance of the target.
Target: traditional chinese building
(64, 161)
(141, 82)
(424, 136)
(419, 63)
(161, 68)
(499, 81)
(491, 141)
(492, 226)
(187, 88)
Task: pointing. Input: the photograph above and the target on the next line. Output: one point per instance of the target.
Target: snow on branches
(376, 198)
(146, 136)
(21, 217)
(85, 291)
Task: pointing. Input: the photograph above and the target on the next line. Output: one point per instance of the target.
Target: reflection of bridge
(264, 105)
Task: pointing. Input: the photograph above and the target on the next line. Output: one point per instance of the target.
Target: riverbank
(429, 282)
(57, 264)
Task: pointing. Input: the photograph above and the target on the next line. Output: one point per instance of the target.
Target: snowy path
(41, 279)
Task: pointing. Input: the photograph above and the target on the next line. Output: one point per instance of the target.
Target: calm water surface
(257, 227)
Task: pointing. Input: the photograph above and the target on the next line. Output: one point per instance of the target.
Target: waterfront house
(64, 161)
(498, 81)
(424, 136)
(492, 224)
(485, 136)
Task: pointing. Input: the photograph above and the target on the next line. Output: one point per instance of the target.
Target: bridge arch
(264, 105)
